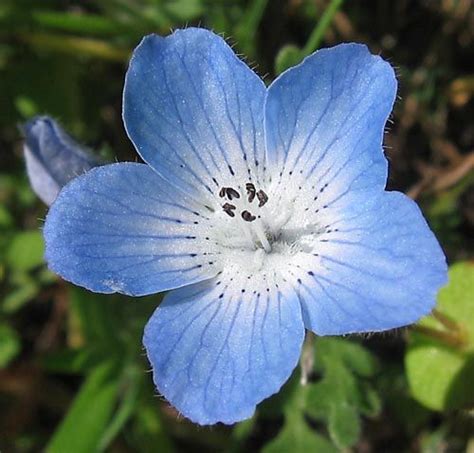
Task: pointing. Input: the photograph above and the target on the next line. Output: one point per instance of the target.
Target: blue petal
(121, 228)
(52, 157)
(195, 111)
(324, 120)
(217, 351)
(378, 269)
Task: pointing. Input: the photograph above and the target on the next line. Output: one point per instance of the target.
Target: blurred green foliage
(72, 368)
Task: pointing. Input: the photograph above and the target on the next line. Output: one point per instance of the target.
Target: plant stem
(455, 339)
(76, 46)
(317, 34)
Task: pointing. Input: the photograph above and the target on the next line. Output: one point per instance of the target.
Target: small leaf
(9, 345)
(287, 57)
(182, 10)
(439, 371)
(297, 437)
(343, 425)
(90, 412)
(26, 250)
(19, 296)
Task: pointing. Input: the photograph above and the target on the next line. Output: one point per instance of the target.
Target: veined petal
(376, 270)
(194, 111)
(324, 122)
(220, 347)
(52, 157)
(122, 228)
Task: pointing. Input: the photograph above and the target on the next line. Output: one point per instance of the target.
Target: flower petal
(217, 351)
(375, 270)
(122, 228)
(194, 111)
(324, 122)
(52, 157)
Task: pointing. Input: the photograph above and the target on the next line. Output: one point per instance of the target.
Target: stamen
(251, 191)
(222, 192)
(232, 193)
(262, 198)
(229, 209)
(248, 216)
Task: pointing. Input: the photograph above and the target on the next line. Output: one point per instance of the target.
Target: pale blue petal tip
(215, 358)
(119, 228)
(52, 157)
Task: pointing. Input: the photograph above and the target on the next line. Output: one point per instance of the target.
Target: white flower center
(265, 224)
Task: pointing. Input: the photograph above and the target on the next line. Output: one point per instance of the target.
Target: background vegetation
(73, 377)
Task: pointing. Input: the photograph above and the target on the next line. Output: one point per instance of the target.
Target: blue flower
(52, 157)
(263, 210)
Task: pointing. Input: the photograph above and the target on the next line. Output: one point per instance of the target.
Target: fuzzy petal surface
(324, 123)
(122, 228)
(220, 347)
(375, 270)
(194, 111)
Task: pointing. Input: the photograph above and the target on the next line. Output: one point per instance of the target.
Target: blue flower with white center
(263, 210)
(52, 157)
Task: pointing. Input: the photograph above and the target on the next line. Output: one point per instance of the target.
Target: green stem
(307, 357)
(455, 339)
(445, 320)
(319, 30)
(76, 46)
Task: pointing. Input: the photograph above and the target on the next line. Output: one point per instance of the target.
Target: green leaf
(6, 219)
(287, 57)
(90, 413)
(26, 250)
(440, 357)
(182, 10)
(150, 435)
(72, 361)
(19, 296)
(297, 437)
(344, 391)
(79, 23)
(128, 403)
(9, 344)
(344, 425)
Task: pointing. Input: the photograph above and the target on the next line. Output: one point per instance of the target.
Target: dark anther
(232, 193)
(247, 216)
(251, 191)
(262, 198)
(229, 209)
(222, 192)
